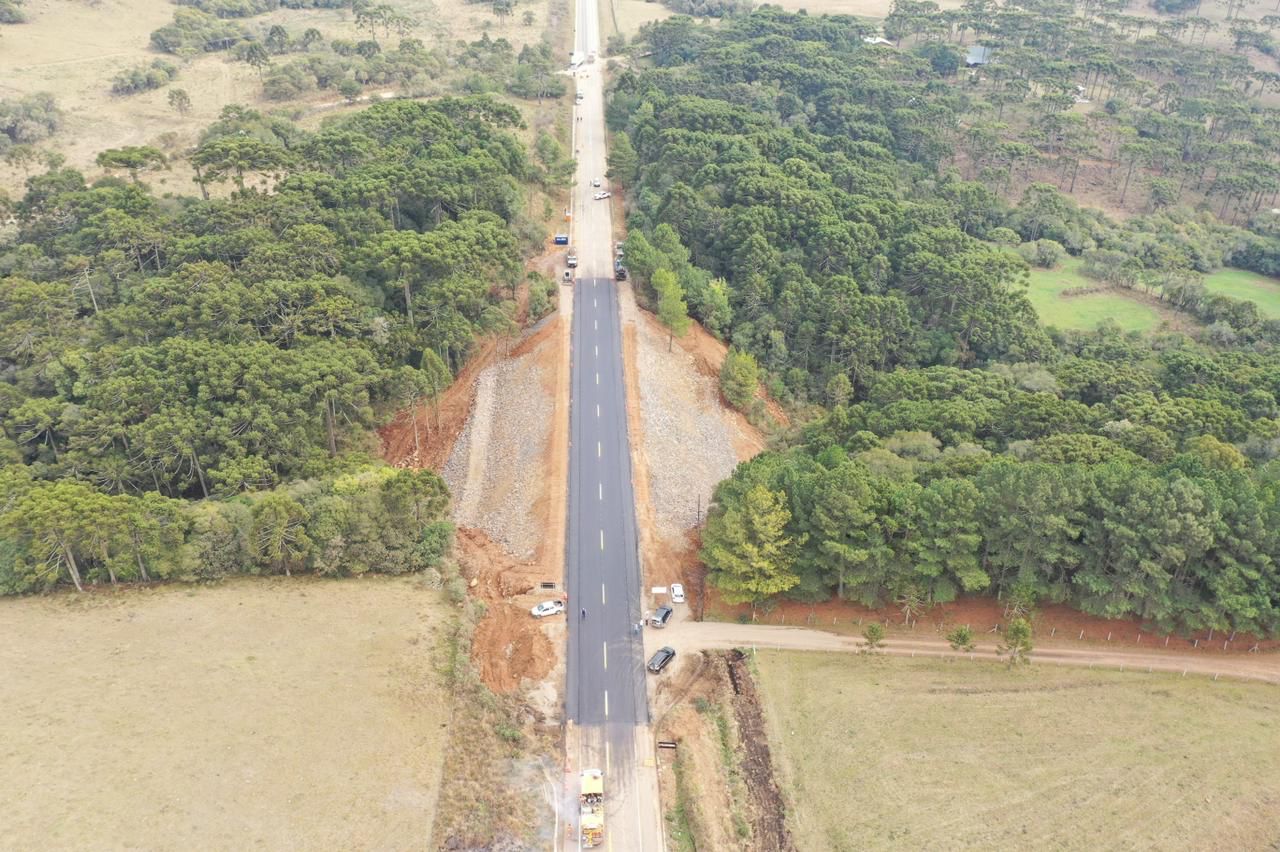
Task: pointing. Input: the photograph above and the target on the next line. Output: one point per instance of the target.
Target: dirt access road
(688, 637)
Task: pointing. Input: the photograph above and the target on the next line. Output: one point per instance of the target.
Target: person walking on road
(583, 616)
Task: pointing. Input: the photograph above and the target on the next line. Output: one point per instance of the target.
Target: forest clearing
(1065, 298)
(272, 713)
(1070, 758)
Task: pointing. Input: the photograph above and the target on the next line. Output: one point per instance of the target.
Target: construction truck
(591, 816)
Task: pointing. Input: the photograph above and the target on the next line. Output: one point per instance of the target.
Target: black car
(619, 272)
(661, 659)
(661, 617)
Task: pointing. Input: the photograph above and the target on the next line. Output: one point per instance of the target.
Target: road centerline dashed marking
(602, 539)
(606, 655)
(601, 491)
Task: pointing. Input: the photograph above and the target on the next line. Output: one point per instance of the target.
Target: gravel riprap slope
(495, 469)
(688, 437)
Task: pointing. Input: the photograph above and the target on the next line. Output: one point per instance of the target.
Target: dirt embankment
(722, 793)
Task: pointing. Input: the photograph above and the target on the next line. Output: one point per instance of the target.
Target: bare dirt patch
(719, 789)
(509, 646)
(1055, 626)
(300, 714)
(933, 754)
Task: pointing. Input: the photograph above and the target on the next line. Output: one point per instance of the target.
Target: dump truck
(591, 816)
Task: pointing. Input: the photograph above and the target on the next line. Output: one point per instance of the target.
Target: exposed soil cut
(498, 468)
(707, 801)
(767, 813)
(437, 425)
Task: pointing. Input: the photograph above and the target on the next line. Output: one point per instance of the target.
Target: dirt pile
(509, 645)
(768, 814)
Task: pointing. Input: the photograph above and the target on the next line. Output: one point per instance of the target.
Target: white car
(548, 608)
(595, 181)
(602, 195)
(677, 593)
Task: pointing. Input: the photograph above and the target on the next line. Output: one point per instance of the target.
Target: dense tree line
(795, 182)
(376, 520)
(178, 349)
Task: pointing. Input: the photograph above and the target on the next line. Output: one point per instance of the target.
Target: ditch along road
(606, 702)
(688, 637)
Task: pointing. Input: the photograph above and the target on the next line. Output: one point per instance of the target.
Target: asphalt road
(605, 695)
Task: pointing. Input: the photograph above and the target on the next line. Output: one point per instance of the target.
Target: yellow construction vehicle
(591, 815)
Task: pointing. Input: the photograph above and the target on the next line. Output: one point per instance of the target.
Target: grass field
(896, 753)
(268, 714)
(72, 49)
(1263, 291)
(1087, 311)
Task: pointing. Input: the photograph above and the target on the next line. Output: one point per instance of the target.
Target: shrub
(1043, 253)
(29, 119)
(143, 78)
(232, 8)
(10, 13)
(193, 31)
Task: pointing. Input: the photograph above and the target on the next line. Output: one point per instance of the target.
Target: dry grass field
(878, 753)
(72, 49)
(263, 713)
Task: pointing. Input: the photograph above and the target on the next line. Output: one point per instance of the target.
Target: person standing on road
(583, 616)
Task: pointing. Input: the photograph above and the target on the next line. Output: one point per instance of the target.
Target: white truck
(575, 59)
